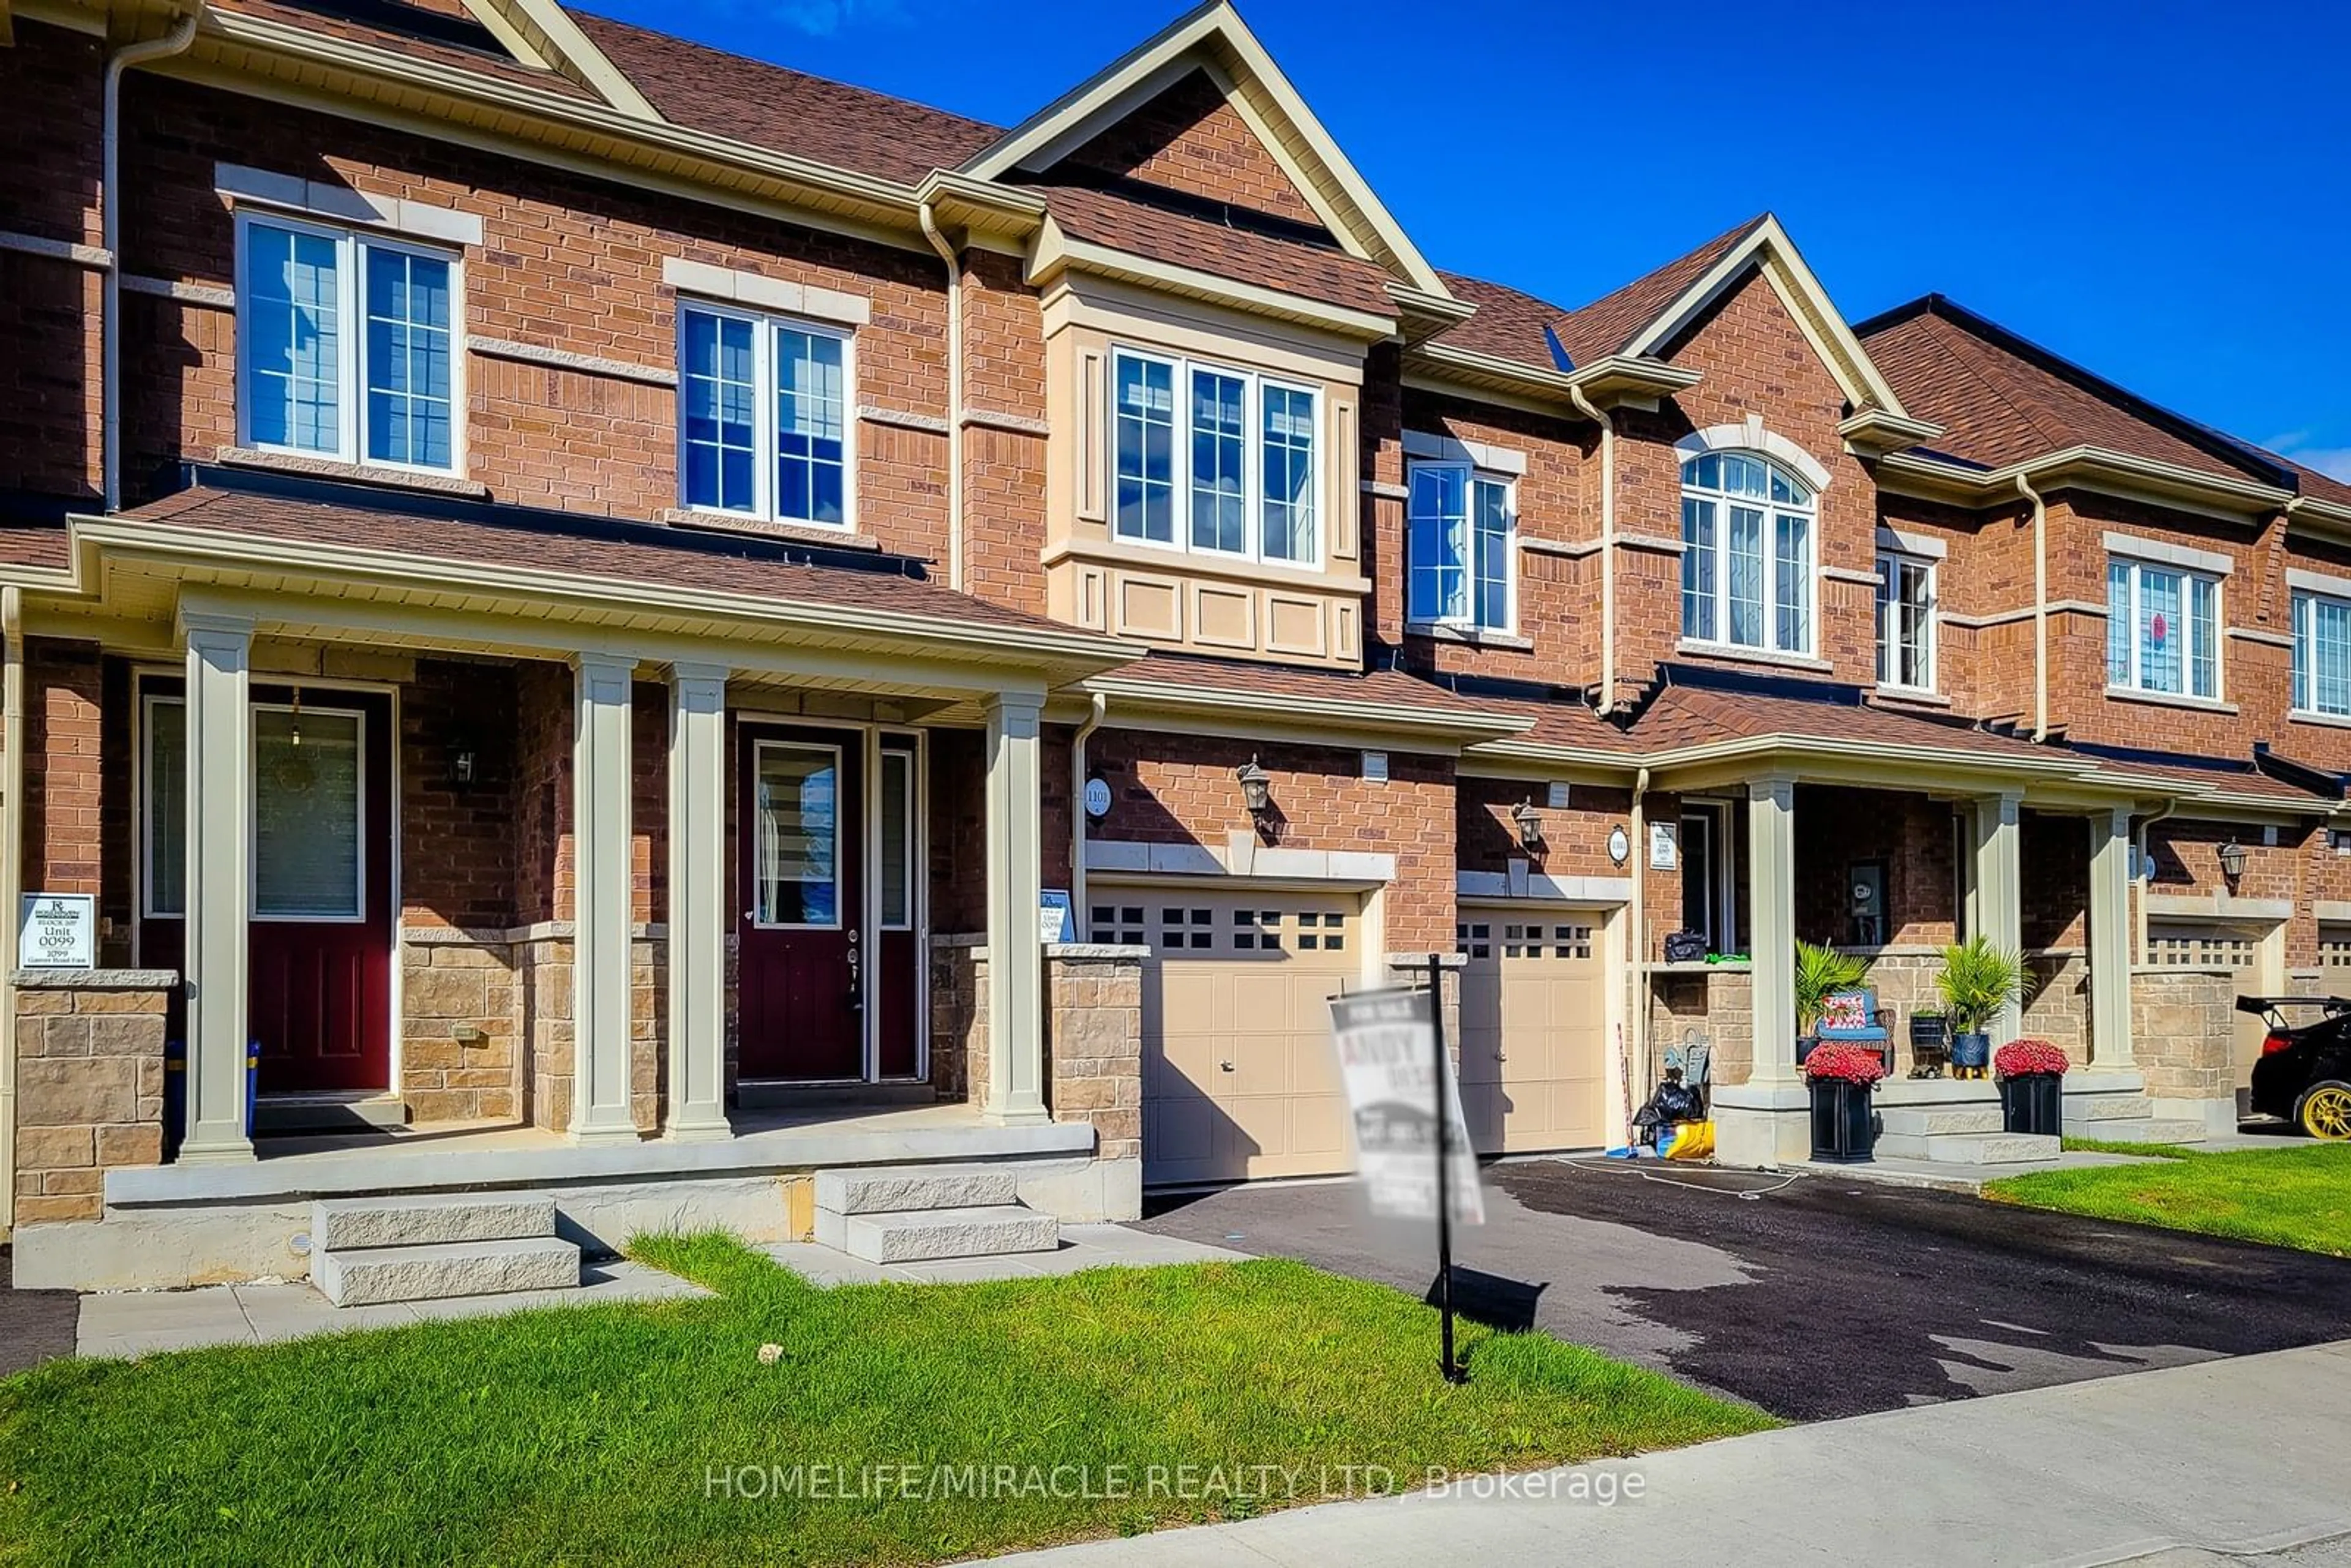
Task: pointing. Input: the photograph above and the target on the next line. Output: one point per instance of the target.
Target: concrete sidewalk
(2237, 1458)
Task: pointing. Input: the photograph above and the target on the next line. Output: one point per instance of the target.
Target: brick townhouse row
(572, 588)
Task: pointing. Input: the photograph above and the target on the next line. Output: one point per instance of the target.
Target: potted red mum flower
(1840, 1076)
(2032, 1075)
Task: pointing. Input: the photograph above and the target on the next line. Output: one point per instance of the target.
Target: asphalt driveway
(34, 1326)
(1815, 1296)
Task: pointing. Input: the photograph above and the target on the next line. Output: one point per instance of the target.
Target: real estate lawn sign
(1414, 1158)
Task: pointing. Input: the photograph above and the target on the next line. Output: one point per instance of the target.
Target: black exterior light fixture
(464, 766)
(2232, 861)
(1530, 821)
(1257, 788)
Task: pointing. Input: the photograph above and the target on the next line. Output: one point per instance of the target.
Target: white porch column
(1772, 875)
(697, 904)
(2000, 889)
(220, 806)
(2110, 937)
(600, 956)
(1016, 978)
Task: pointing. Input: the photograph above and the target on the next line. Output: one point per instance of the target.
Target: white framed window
(796, 817)
(1747, 561)
(763, 417)
(1906, 622)
(2163, 628)
(1461, 528)
(307, 814)
(1213, 460)
(2322, 655)
(346, 346)
(164, 814)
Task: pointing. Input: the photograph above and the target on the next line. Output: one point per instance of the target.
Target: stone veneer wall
(958, 1016)
(460, 1027)
(1718, 1002)
(1093, 1042)
(2183, 1034)
(89, 1084)
(543, 970)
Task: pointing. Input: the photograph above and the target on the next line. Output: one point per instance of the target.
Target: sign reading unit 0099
(57, 931)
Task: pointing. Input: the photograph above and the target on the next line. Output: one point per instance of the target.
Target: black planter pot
(1844, 1131)
(2034, 1102)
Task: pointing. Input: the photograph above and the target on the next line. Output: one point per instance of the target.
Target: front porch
(530, 878)
(1893, 874)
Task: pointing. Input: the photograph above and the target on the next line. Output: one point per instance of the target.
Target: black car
(2304, 1075)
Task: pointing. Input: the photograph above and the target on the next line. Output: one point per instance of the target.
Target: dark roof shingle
(1606, 325)
(1180, 239)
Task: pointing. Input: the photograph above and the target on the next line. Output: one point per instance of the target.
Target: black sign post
(1454, 1372)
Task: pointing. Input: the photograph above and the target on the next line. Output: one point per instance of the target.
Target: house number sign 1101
(57, 931)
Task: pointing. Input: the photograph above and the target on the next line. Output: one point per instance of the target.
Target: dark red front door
(800, 998)
(318, 891)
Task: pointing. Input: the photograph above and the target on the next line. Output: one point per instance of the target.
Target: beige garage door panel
(1239, 1079)
(1534, 1033)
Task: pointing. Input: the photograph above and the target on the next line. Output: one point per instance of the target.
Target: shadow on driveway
(1818, 1296)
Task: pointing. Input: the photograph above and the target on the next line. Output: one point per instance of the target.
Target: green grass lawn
(591, 1435)
(2298, 1195)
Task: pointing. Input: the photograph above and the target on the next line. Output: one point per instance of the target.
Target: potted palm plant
(1840, 1076)
(1978, 980)
(1820, 972)
(2031, 1074)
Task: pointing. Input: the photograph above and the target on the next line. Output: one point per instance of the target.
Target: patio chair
(1854, 1017)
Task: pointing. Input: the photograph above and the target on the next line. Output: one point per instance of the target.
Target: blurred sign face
(1387, 1056)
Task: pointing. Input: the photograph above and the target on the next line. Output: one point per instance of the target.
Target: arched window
(1747, 561)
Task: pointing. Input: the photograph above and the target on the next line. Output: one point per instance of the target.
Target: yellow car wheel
(2326, 1110)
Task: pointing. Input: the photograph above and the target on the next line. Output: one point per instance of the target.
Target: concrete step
(2146, 1130)
(370, 1276)
(923, 1234)
(2107, 1108)
(1932, 1121)
(897, 1189)
(430, 1219)
(329, 1113)
(1969, 1148)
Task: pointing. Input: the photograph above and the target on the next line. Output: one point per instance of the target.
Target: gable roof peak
(1213, 38)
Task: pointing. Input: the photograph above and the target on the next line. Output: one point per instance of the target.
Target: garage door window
(1474, 939)
(1180, 929)
(2335, 946)
(1532, 941)
(1117, 923)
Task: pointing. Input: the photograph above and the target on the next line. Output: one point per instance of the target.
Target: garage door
(1239, 1079)
(2238, 949)
(1533, 1030)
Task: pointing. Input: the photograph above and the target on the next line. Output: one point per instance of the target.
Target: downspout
(1636, 948)
(2039, 609)
(954, 392)
(1078, 812)
(2139, 922)
(12, 876)
(1585, 406)
(109, 316)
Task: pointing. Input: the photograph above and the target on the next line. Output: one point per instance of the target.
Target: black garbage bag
(1674, 1102)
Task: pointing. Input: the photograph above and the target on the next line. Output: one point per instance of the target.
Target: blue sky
(2155, 189)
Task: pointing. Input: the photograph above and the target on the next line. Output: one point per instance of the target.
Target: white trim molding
(81, 255)
(565, 360)
(2162, 552)
(209, 295)
(2324, 584)
(1751, 436)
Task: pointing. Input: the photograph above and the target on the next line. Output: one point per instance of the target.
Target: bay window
(1746, 558)
(763, 411)
(1213, 460)
(1460, 526)
(2322, 655)
(1906, 622)
(2163, 628)
(345, 345)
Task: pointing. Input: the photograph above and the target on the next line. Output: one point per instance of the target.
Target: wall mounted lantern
(2232, 859)
(1257, 788)
(1530, 821)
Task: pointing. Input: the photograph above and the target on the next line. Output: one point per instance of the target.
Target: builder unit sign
(57, 931)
